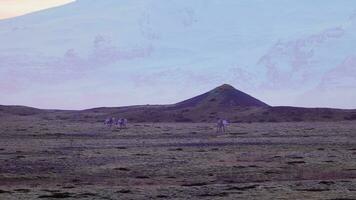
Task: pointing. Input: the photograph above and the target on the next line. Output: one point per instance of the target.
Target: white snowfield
(296, 53)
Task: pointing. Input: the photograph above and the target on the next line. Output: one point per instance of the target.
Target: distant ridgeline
(222, 102)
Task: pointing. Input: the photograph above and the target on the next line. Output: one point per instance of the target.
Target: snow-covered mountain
(120, 52)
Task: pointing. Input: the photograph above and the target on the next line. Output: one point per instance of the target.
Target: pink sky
(13, 8)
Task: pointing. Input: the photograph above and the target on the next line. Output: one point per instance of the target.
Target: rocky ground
(62, 160)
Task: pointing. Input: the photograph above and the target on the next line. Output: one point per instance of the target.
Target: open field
(42, 159)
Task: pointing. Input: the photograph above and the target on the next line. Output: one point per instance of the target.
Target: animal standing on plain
(122, 123)
(109, 121)
(225, 123)
(221, 126)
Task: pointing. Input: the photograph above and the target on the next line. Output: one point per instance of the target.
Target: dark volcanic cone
(223, 96)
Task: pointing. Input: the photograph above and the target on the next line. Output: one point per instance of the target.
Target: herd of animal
(122, 123)
(119, 122)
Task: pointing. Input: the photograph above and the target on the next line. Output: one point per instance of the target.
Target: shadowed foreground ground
(61, 160)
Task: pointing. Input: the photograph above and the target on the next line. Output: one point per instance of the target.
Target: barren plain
(54, 159)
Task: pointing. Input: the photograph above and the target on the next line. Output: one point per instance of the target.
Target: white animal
(221, 125)
(124, 123)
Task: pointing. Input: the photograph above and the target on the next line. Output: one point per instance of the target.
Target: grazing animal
(109, 121)
(122, 123)
(118, 123)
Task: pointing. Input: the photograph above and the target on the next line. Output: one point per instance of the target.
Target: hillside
(224, 96)
(222, 102)
(19, 111)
